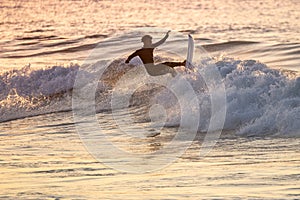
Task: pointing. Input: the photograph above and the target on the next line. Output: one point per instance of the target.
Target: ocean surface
(49, 65)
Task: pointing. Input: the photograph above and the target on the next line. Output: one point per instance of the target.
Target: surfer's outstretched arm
(134, 54)
(161, 41)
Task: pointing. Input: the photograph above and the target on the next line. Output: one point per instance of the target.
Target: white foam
(260, 100)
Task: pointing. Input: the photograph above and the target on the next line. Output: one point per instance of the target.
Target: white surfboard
(190, 53)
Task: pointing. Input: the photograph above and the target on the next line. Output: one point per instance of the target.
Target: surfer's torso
(145, 54)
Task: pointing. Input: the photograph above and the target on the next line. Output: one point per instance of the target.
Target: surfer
(146, 55)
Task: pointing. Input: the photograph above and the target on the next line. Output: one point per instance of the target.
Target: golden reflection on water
(41, 159)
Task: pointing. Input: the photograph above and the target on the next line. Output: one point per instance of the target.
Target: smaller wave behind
(28, 92)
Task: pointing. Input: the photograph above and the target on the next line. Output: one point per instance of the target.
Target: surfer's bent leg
(159, 69)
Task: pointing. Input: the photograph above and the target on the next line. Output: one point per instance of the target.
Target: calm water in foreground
(43, 158)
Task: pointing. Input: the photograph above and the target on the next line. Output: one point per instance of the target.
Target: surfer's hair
(146, 37)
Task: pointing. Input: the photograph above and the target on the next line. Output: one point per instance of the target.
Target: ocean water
(48, 151)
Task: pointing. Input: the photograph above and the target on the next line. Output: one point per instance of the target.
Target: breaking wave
(260, 100)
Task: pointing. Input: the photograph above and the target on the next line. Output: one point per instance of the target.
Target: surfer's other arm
(134, 54)
(161, 41)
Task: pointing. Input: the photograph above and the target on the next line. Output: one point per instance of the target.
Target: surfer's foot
(184, 63)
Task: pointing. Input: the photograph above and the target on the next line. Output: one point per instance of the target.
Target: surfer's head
(147, 40)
